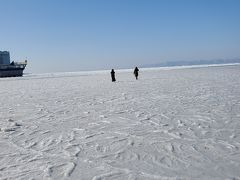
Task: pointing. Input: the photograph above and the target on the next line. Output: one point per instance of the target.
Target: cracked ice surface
(175, 123)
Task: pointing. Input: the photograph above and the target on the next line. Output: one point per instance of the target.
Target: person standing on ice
(136, 72)
(113, 75)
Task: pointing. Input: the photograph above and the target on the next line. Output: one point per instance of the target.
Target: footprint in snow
(102, 116)
(10, 120)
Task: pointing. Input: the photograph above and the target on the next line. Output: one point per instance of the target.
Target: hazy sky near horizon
(72, 35)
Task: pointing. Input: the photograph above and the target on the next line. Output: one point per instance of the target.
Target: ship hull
(11, 72)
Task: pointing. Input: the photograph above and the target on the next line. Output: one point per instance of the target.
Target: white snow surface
(169, 124)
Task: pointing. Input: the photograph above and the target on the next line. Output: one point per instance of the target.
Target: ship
(8, 68)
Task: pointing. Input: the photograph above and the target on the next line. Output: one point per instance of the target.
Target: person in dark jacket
(113, 75)
(136, 72)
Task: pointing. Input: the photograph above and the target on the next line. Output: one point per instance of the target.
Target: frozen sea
(172, 123)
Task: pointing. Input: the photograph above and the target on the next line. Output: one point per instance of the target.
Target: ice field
(176, 123)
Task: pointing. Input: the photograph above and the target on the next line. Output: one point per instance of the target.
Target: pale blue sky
(72, 35)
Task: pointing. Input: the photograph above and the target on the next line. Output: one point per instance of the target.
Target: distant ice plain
(175, 123)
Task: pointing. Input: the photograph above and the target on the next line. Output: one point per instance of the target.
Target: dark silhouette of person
(113, 75)
(136, 72)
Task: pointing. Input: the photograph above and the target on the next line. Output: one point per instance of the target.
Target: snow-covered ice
(170, 124)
